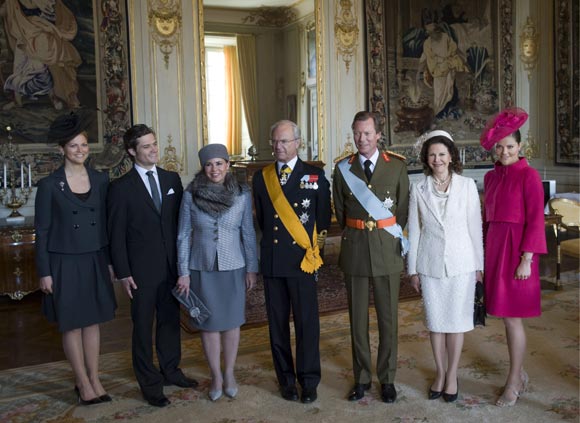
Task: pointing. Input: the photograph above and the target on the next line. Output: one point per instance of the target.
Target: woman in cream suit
(217, 258)
(446, 254)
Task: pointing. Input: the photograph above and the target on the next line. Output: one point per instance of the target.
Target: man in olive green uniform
(371, 247)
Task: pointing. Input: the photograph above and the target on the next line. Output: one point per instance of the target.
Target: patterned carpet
(44, 393)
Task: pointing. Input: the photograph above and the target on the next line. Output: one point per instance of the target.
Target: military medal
(304, 218)
(305, 203)
(309, 182)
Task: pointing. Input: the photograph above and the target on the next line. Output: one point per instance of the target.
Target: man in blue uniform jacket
(292, 201)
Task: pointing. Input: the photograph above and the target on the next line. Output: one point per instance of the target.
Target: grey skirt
(224, 294)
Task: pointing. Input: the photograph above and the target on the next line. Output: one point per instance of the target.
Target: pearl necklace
(440, 183)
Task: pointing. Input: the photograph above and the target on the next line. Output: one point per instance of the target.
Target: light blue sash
(373, 206)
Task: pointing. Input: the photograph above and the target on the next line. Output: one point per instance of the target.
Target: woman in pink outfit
(514, 236)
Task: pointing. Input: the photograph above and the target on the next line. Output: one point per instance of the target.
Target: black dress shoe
(182, 381)
(105, 398)
(388, 392)
(289, 393)
(161, 401)
(308, 395)
(358, 391)
(96, 400)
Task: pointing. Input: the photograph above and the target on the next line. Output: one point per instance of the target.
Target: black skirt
(82, 291)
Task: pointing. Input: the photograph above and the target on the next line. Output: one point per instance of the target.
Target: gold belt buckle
(370, 224)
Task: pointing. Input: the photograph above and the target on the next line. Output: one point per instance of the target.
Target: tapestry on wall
(58, 56)
(434, 65)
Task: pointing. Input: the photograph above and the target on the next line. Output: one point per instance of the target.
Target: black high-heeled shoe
(105, 398)
(96, 400)
(433, 395)
(451, 397)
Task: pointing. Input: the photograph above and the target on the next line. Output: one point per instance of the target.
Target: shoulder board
(343, 156)
(351, 158)
(389, 153)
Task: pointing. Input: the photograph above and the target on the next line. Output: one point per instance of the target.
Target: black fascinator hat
(65, 127)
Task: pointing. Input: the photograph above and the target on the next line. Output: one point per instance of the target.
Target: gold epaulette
(343, 156)
(397, 155)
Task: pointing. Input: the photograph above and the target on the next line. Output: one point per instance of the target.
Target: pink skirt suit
(514, 223)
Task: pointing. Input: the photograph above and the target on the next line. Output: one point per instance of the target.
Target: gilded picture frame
(431, 67)
(93, 49)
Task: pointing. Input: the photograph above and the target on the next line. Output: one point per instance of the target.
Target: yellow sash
(312, 260)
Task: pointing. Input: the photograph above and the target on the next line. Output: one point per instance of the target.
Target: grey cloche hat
(213, 151)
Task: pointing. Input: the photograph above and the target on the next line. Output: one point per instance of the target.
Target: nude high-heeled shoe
(504, 402)
(231, 392)
(215, 395)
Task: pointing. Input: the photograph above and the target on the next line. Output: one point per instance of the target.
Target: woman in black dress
(72, 255)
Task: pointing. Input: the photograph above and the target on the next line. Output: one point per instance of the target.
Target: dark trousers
(300, 295)
(386, 296)
(155, 302)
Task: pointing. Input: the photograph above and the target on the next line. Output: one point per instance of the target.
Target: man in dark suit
(292, 201)
(143, 207)
(370, 250)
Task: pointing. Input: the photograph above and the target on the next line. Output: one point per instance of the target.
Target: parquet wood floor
(29, 339)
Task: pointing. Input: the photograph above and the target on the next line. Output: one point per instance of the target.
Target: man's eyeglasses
(283, 142)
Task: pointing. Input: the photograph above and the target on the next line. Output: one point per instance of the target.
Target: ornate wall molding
(345, 31)
(203, 84)
(529, 46)
(271, 16)
(507, 75)
(169, 161)
(320, 77)
(375, 39)
(165, 22)
(531, 147)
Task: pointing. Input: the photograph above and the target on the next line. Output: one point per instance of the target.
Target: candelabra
(13, 194)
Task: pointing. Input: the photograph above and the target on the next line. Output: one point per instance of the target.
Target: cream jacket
(450, 245)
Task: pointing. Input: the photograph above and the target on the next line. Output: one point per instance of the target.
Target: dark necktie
(368, 171)
(154, 191)
(284, 174)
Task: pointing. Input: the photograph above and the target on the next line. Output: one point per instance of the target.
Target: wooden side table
(17, 263)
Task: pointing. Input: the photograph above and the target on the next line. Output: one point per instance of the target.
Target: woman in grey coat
(217, 258)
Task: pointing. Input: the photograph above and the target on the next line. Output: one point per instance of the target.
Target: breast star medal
(304, 218)
(305, 203)
(388, 203)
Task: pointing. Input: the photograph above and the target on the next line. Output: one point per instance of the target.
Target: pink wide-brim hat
(501, 125)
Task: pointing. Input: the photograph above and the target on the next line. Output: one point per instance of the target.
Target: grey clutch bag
(193, 305)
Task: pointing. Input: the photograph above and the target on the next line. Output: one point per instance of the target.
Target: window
(217, 95)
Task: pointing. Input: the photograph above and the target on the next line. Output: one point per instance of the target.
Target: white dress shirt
(143, 174)
(373, 160)
(291, 164)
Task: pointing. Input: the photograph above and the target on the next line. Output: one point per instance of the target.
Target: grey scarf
(211, 198)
